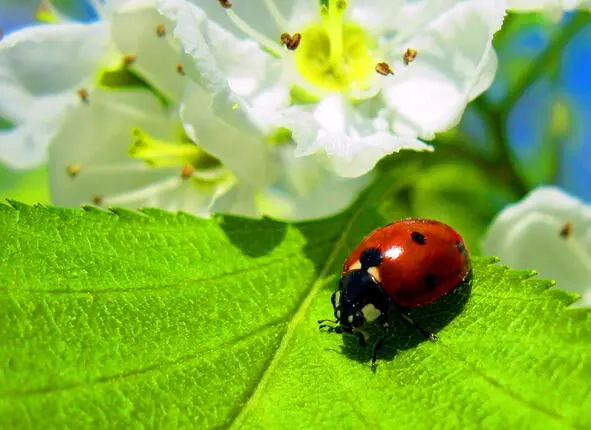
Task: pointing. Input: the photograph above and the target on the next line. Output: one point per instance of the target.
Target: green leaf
(124, 319)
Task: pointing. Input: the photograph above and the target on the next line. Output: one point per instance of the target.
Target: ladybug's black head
(359, 299)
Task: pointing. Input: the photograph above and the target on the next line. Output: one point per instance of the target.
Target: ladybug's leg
(362, 336)
(426, 333)
(379, 343)
(330, 328)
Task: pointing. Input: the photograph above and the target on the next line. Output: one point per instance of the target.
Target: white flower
(40, 68)
(328, 91)
(111, 122)
(552, 7)
(548, 231)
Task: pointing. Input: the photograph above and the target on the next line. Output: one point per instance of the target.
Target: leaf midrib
(298, 317)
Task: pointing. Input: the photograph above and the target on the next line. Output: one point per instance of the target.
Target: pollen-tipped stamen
(271, 46)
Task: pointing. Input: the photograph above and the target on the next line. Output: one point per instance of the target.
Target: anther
(129, 59)
(73, 169)
(409, 56)
(83, 94)
(384, 69)
(291, 42)
(98, 199)
(566, 230)
(160, 30)
(187, 171)
(180, 69)
(226, 4)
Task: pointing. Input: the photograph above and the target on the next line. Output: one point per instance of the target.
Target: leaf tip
(15, 204)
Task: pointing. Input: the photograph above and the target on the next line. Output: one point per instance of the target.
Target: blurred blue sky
(528, 122)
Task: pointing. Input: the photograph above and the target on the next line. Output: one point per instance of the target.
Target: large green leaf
(122, 319)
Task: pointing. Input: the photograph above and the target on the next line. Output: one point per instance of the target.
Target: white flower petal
(133, 30)
(240, 200)
(354, 143)
(255, 13)
(379, 16)
(97, 137)
(41, 68)
(554, 8)
(527, 235)
(223, 127)
(222, 60)
(535, 5)
(307, 190)
(453, 65)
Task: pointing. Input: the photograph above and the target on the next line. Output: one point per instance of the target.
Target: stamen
(277, 16)
(291, 42)
(98, 199)
(160, 30)
(187, 171)
(180, 69)
(73, 169)
(384, 69)
(128, 60)
(145, 192)
(273, 47)
(83, 94)
(127, 167)
(226, 4)
(566, 230)
(409, 56)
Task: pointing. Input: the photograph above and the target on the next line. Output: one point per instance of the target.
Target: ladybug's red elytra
(409, 263)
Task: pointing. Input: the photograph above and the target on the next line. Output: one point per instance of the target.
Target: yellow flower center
(335, 55)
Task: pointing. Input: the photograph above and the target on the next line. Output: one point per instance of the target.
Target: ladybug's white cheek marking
(373, 271)
(355, 266)
(370, 312)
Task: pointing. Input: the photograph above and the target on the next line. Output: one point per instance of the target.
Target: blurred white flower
(104, 98)
(548, 231)
(554, 8)
(40, 69)
(356, 80)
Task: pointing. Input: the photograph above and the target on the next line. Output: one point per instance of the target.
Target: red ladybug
(409, 263)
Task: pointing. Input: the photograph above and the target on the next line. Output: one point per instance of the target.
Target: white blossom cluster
(270, 107)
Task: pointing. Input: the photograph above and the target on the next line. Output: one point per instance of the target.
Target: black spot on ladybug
(430, 281)
(371, 257)
(418, 237)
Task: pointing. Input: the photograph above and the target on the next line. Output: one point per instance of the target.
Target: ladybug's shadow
(433, 318)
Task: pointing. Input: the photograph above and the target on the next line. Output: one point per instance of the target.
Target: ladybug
(408, 263)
